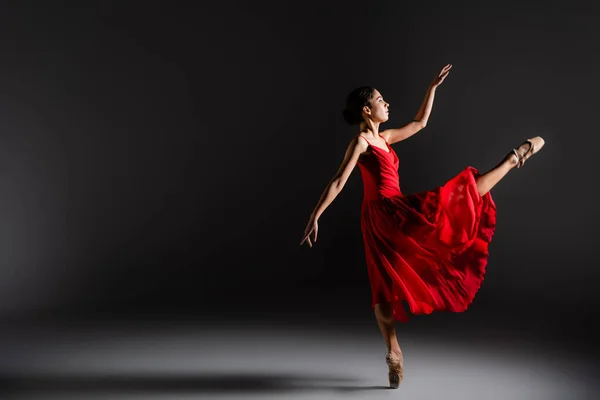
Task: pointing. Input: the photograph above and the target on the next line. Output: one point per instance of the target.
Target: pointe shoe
(395, 366)
(535, 145)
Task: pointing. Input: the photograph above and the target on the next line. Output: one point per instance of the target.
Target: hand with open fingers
(311, 228)
(441, 76)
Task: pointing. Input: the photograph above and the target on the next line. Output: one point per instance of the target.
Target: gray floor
(171, 360)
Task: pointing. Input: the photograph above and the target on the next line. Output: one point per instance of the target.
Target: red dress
(429, 249)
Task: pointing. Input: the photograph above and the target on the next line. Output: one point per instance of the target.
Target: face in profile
(379, 109)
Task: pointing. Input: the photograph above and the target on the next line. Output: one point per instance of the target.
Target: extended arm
(335, 186)
(355, 148)
(420, 121)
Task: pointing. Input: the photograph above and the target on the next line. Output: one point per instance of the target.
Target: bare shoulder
(359, 144)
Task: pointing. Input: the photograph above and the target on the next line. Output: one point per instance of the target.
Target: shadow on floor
(225, 383)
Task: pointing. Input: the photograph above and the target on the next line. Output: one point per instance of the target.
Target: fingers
(307, 239)
(443, 74)
(307, 234)
(445, 69)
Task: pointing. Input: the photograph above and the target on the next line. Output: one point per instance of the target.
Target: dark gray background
(161, 159)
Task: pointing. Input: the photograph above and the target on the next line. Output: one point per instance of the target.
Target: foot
(530, 147)
(395, 362)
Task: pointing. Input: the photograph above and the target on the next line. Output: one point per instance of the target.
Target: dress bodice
(379, 170)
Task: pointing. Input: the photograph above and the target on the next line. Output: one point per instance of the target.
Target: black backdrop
(156, 158)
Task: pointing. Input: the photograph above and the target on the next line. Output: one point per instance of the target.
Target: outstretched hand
(311, 228)
(441, 76)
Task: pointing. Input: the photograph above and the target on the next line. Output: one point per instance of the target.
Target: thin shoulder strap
(359, 135)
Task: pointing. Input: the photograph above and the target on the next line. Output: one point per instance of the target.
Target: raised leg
(487, 181)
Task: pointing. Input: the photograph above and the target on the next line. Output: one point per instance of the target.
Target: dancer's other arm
(355, 149)
(420, 121)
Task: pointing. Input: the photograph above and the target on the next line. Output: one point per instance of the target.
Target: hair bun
(355, 102)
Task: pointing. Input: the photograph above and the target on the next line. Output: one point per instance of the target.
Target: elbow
(420, 124)
(338, 184)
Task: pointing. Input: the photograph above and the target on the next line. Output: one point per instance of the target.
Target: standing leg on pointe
(385, 319)
(516, 158)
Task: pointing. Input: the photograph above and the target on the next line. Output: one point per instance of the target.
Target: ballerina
(428, 249)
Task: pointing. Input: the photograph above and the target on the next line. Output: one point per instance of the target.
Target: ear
(367, 110)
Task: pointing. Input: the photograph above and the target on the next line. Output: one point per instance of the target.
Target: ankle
(512, 159)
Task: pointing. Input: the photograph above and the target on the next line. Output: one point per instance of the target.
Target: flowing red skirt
(429, 249)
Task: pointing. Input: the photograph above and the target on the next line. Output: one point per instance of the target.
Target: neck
(370, 128)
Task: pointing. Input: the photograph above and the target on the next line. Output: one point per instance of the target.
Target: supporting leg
(394, 359)
(385, 319)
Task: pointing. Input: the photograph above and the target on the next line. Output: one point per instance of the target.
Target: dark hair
(355, 102)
